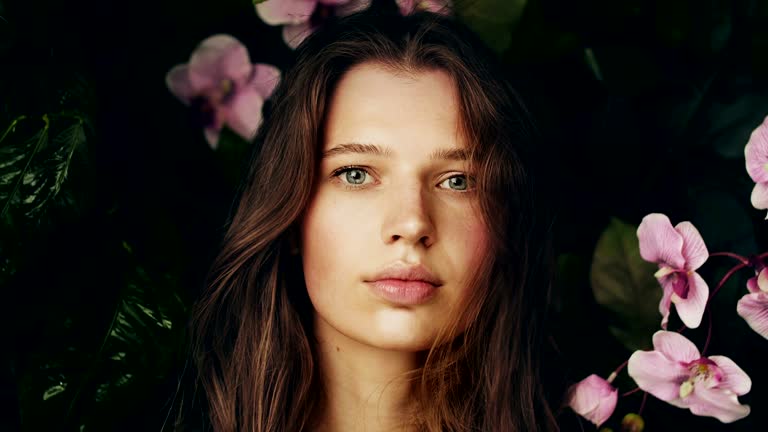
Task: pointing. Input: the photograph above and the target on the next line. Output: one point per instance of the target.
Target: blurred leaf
(722, 218)
(730, 123)
(623, 283)
(492, 20)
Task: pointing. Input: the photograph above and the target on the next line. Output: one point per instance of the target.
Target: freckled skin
(406, 210)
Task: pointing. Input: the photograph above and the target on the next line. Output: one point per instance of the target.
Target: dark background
(645, 105)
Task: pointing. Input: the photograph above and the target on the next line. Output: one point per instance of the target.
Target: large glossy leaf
(83, 386)
(623, 283)
(33, 167)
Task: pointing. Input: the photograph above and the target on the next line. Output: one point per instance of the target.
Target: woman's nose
(408, 218)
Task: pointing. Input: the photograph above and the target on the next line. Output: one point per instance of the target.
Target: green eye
(457, 183)
(355, 176)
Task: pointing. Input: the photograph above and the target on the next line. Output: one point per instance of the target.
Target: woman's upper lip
(409, 272)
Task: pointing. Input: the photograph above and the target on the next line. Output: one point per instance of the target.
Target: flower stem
(709, 332)
(634, 390)
(642, 404)
(744, 260)
(724, 279)
(616, 371)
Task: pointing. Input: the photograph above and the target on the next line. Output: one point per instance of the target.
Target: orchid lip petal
(718, 403)
(691, 309)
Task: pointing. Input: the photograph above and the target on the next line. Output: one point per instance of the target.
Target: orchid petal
(758, 283)
(756, 153)
(762, 280)
(718, 403)
(675, 346)
(666, 301)
(759, 197)
(691, 309)
(735, 378)
(754, 309)
(177, 80)
(218, 58)
(694, 250)
(593, 398)
(660, 242)
(212, 136)
(276, 12)
(294, 34)
(656, 374)
(244, 113)
(752, 285)
(352, 6)
(265, 79)
(408, 7)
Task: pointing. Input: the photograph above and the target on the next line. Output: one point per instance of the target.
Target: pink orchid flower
(593, 398)
(408, 7)
(676, 373)
(753, 307)
(301, 17)
(679, 251)
(756, 155)
(223, 87)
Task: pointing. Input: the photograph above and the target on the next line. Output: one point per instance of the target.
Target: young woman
(388, 265)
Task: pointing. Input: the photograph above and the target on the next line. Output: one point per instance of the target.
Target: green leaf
(139, 347)
(623, 283)
(492, 20)
(85, 381)
(33, 169)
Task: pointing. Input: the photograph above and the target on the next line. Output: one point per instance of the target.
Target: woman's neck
(365, 388)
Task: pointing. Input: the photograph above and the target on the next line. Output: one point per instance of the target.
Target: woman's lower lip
(405, 292)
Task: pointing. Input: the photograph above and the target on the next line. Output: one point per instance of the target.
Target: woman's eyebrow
(455, 154)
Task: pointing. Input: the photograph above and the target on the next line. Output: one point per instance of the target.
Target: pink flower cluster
(675, 371)
(300, 18)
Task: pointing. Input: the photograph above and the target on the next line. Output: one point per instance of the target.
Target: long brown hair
(254, 344)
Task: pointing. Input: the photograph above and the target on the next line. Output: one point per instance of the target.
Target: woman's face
(392, 232)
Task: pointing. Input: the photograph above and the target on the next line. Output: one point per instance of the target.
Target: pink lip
(406, 285)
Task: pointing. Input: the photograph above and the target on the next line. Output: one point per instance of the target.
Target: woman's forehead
(373, 104)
